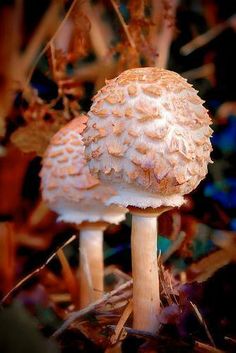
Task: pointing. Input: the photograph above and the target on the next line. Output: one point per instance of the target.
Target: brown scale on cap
(58, 161)
(163, 147)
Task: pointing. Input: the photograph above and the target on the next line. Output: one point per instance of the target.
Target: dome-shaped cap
(148, 136)
(67, 185)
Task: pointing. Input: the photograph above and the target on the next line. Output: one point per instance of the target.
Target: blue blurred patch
(225, 139)
(224, 192)
(233, 224)
(163, 244)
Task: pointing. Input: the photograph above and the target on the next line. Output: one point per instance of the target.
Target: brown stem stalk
(91, 265)
(146, 293)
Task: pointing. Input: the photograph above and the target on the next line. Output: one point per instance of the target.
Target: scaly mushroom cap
(148, 136)
(67, 185)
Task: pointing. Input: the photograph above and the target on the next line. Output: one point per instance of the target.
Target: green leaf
(19, 333)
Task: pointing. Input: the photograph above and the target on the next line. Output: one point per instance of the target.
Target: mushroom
(152, 133)
(78, 197)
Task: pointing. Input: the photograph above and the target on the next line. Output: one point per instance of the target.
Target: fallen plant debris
(39, 269)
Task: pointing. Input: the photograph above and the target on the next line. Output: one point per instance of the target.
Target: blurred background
(54, 56)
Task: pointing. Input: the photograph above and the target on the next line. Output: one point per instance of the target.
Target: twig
(60, 297)
(35, 272)
(230, 339)
(124, 25)
(99, 41)
(68, 276)
(164, 39)
(206, 267)
(174, 246)
(199, 72)
(199, 347)
(53, 60)
(202, 321)
(41, 33)
(78, 314)
(172, 289)
(124, 317)
(43, 51)
(206, 37)
(38, 214)
(205, 348)
(164, 285)
(137, 333)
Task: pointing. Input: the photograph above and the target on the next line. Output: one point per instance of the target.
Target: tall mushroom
(147, 137)
(70, 190)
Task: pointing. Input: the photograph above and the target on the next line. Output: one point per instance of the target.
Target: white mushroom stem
(146, 293)
(91, 271)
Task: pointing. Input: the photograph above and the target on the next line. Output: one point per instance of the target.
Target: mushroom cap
(148, 136)
(67, 185)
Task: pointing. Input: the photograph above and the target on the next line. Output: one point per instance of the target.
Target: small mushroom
(160, 155)
(70, 190)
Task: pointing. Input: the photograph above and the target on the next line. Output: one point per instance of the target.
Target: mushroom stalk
(146, 293)
(91, 271)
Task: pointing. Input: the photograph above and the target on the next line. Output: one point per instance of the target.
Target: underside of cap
(77, 213)
(129, 195)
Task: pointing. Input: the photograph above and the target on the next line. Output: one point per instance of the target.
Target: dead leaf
(36, 136)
